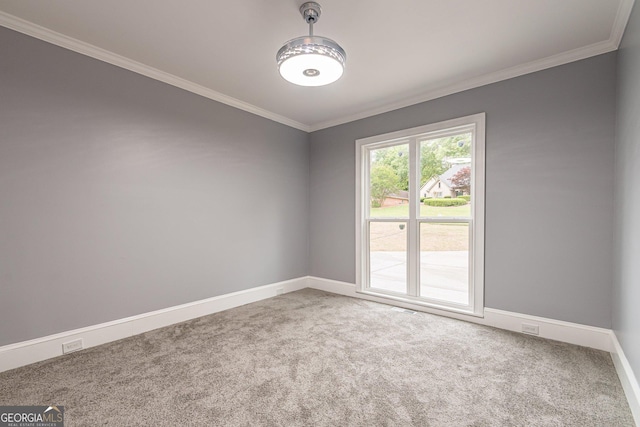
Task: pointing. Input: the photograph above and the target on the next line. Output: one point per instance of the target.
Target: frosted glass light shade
(311, 61)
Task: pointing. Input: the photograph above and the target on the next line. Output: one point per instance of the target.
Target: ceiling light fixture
(311, 60)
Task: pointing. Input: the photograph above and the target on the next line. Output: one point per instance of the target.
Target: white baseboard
(558, 330)
(627, 378)
(573, 333)
(27, 352)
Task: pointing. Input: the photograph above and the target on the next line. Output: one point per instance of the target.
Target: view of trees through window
(445, 192)
(389, 173)
(437, 155)
(420, 215)
(445, 173)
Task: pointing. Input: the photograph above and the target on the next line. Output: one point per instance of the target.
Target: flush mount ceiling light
(311, 60)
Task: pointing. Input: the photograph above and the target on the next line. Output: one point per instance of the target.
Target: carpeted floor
(310, 358)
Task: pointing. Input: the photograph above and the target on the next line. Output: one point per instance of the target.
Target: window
(431, 252)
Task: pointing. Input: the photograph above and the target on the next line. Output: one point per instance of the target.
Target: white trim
(413, 227)
(50, 36)
(573, 333)
(42, 33)
(627, 378)
(475, 124)
(620, 23)
(362, 176)
(617, 31)
(26, 352)
(413, 301)
(476, 232)
(558, 330)
(475, 82)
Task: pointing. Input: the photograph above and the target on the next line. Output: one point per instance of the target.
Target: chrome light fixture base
(311, 60)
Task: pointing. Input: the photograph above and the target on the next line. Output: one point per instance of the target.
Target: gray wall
(626, 314)
(120, 194)
(549, 189)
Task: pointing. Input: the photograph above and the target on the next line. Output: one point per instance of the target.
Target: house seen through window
(421, 227)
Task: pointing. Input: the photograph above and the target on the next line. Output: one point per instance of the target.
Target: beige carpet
(310, 358)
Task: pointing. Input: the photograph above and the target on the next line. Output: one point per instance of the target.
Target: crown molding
(53, 37)
(509, 73)
(620, 23)
(617, 31)
(45, 34)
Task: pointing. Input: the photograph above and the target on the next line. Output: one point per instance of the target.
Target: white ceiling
(398, 53)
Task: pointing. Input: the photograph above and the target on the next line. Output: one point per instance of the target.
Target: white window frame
(474, 123)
